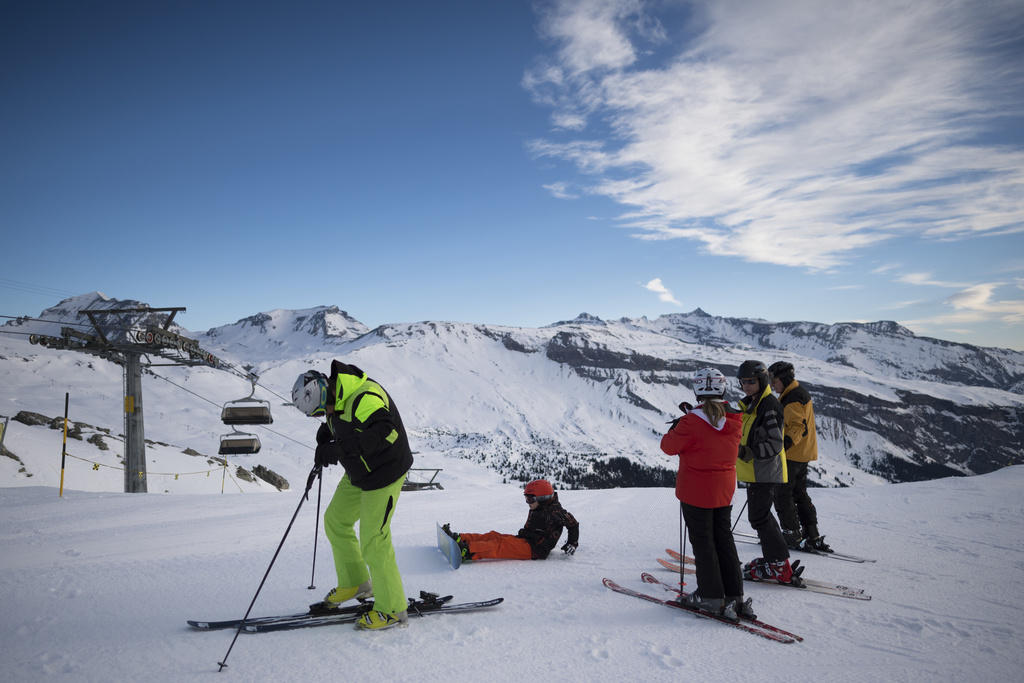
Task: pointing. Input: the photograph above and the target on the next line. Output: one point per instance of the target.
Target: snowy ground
(97, 587)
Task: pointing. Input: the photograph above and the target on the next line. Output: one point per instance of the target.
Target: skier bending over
(706, 440)
(363, 433)
(535, 540)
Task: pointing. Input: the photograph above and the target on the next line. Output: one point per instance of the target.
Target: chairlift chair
(248, 410)
(239, 443)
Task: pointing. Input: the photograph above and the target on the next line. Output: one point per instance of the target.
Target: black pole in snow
(309, 483)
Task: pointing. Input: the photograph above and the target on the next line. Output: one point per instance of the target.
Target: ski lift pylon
(248, 410)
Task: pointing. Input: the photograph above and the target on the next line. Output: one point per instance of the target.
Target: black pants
(794, 505)
(759, 511)
(718, 565)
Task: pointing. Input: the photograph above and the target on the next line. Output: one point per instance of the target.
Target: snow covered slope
(97, 587)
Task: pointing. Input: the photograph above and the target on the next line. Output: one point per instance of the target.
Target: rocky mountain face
(584, 402)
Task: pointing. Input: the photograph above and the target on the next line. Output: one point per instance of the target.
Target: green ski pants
(374, 511)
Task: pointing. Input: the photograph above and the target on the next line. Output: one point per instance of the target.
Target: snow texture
(97, 587)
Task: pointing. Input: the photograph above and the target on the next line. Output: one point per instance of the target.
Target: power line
(31, 288)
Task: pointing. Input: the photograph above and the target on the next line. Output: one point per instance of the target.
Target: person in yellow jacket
(762, 464)
(792, 502)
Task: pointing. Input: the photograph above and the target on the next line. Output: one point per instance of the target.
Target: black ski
(417, 608)
(316, 609)
(651, 578)
(749, 628)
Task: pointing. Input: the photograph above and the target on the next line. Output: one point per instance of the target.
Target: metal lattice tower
(139, 340)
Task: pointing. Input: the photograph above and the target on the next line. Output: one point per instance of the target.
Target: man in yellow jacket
(792, 502)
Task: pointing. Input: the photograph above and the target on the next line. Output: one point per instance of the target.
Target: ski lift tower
(125, 343)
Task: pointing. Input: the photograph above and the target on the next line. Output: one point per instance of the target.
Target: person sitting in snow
(535, 540)
(706, 440)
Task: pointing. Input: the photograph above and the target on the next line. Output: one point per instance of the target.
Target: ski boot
(817, 543)
(463, 545)
(778, 570)
(714, 606)
(340, 595)
(743, 608)
(378, 621)
(793, 539)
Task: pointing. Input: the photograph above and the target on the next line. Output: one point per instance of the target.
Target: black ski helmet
(782, 371)
(754, 369)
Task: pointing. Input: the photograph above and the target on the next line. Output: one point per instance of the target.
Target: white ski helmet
(709, 383)
(309, 393)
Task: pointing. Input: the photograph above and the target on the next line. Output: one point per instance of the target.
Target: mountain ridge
(585, 401)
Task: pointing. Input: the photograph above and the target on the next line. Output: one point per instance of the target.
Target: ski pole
(64, 448)
(316, 529)
(738, 516)
(315, 472)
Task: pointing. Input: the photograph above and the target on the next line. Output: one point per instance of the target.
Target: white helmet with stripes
(709, 383)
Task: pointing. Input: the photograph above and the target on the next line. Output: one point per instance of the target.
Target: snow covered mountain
(582, 402)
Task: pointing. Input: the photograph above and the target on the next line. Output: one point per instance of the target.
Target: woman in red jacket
(706, 440)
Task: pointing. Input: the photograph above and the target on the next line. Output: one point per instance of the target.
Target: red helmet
(538, 488)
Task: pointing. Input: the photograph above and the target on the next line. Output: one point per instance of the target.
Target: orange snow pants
(496, 546)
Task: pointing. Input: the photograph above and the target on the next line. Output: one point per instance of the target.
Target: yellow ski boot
(378, 621)
(340, 595)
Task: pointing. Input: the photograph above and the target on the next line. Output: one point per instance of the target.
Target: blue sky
(518, 163)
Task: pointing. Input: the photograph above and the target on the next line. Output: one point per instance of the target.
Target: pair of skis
(812, 585)
(754, 626)
(318, 615)
(744, 537)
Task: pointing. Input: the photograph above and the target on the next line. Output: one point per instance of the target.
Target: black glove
(323, 435)
(569, 548)
(685, 407)
(746, 453)
(327, 453)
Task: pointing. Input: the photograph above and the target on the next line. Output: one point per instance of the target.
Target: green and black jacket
(365, 433)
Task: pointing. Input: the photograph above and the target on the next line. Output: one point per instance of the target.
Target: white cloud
(977, 299)
(663, 292)
(560, 191)
(925, 279)
(795, 133)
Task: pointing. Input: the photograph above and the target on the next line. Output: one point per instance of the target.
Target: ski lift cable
(44, 320)
(229, 367)
(272, 431)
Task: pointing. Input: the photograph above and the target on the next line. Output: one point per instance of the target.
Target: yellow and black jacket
(801, 439)
(365, 432)
(762, 457)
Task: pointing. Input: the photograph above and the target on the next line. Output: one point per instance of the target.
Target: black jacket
(365, 433)
(544, 527)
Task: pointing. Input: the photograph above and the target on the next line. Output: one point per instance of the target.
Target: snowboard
(449, 548)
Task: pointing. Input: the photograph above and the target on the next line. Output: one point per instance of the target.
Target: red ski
(650, 578)
(743, 626)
